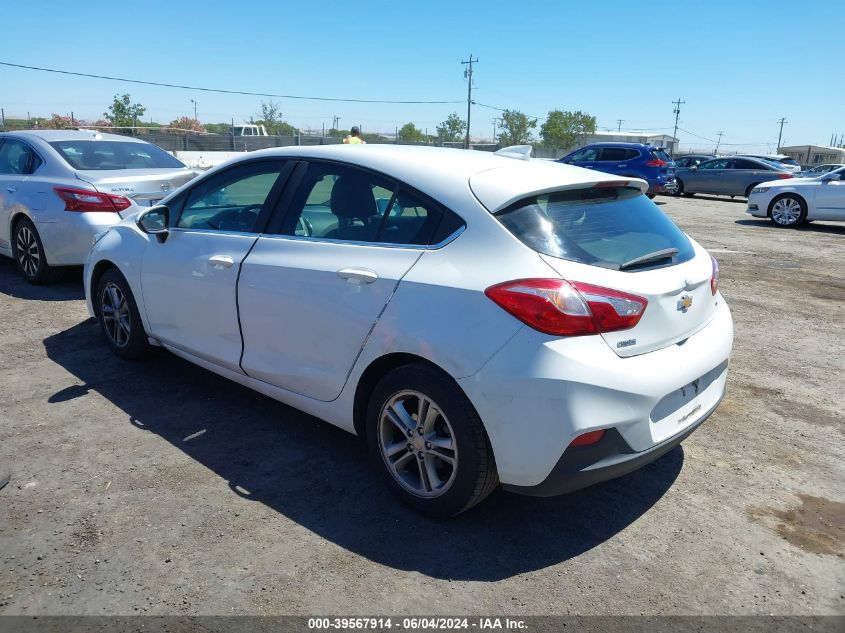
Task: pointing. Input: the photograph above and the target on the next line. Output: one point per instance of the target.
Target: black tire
(680, 189)
(29, 255)
(781, 220)
(124, 333)
(475, 475)
(651, 196)
(750, 187)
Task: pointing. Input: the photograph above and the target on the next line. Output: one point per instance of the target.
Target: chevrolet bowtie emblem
(684, 303)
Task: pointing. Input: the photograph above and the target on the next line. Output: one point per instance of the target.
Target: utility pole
(780, 133)
(677, 112)
(3, 116)
(468, 75)
(195, 102)
(718, 142)
(495, 121)
(619, 123)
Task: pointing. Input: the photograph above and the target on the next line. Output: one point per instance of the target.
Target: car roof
(51, 136)
(450, 175)
(620, 144)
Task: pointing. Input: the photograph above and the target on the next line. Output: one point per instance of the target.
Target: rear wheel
(119, 318)
(428, 442)
(788, 210)
(28, 252)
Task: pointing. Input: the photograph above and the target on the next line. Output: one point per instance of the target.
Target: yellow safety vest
(354, 140)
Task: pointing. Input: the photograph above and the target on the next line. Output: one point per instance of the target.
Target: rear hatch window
(111, 155)
(659, 154)
(615, 227)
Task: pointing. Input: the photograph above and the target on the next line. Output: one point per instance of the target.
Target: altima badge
(684, 303)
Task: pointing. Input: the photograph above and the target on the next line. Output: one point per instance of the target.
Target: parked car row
(59, 188)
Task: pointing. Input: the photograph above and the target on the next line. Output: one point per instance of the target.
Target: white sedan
(59, 188)
(789, 203)
(478, 318)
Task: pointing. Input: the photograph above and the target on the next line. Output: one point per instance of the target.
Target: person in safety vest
(353, 138)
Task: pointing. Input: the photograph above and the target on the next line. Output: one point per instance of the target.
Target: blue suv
(633, 160)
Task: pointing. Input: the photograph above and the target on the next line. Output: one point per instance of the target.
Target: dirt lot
(157, 487)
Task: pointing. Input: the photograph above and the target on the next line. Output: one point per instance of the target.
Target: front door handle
(358, 275)
(221, 261)
(12, 189)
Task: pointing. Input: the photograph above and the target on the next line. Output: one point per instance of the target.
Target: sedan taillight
(563, 308)
(87, 200)
(785, 176)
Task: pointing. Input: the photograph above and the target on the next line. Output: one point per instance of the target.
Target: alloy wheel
(417, 443)
(786, 211)
(29, 256)
(115, 314)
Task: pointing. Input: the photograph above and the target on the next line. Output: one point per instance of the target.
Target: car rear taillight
(87, 200)
(714, 278)
(785, 176)
(585, 439)
(563, 308)
(657, 163)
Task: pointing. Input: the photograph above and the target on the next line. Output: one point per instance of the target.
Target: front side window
(16, 157)
(721, 163)
(589, 153)
(110, 155)
(337, 202)
(230, 200)
(610, 227)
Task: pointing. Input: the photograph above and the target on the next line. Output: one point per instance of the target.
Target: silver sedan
(59, 188)
(727, 176)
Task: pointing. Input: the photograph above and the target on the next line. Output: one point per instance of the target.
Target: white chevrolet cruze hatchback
(478, 318)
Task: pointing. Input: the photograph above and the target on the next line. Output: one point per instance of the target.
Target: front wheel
(428, 442)
(119, 318)
(788, 210)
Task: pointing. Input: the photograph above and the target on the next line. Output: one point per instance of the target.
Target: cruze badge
(684, 303)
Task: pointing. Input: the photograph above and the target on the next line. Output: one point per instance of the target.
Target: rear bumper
(539, 393)
(68, 240)
(610, 458)
(663, 186)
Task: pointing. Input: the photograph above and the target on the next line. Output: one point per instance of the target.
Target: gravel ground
(159, 488)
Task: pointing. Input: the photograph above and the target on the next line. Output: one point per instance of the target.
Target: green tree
(123, 113)
(271, 119)
(564, 129)
(515, 128)
(452, 129)
(410, 132)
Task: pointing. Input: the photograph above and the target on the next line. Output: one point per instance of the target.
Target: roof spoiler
(519, 152)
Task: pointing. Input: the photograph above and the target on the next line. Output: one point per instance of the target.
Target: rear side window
(618, 153)
(111, 155)
(611, 227)
(17, 157)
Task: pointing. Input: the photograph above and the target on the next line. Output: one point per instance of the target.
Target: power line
(219, 90)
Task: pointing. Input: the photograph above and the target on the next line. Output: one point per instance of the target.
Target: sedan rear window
(110, 155)
(613, 227)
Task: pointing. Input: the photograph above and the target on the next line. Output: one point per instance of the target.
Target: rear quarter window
(600, 226)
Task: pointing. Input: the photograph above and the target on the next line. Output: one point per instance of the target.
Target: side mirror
(831, 177)
(693, 168)
(155, 221)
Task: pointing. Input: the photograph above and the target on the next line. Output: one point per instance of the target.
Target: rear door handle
(358, 275)
(221, 261)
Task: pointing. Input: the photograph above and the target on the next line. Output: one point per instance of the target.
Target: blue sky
(739, 65)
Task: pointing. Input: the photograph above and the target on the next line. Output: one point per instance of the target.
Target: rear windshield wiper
(665, 253)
